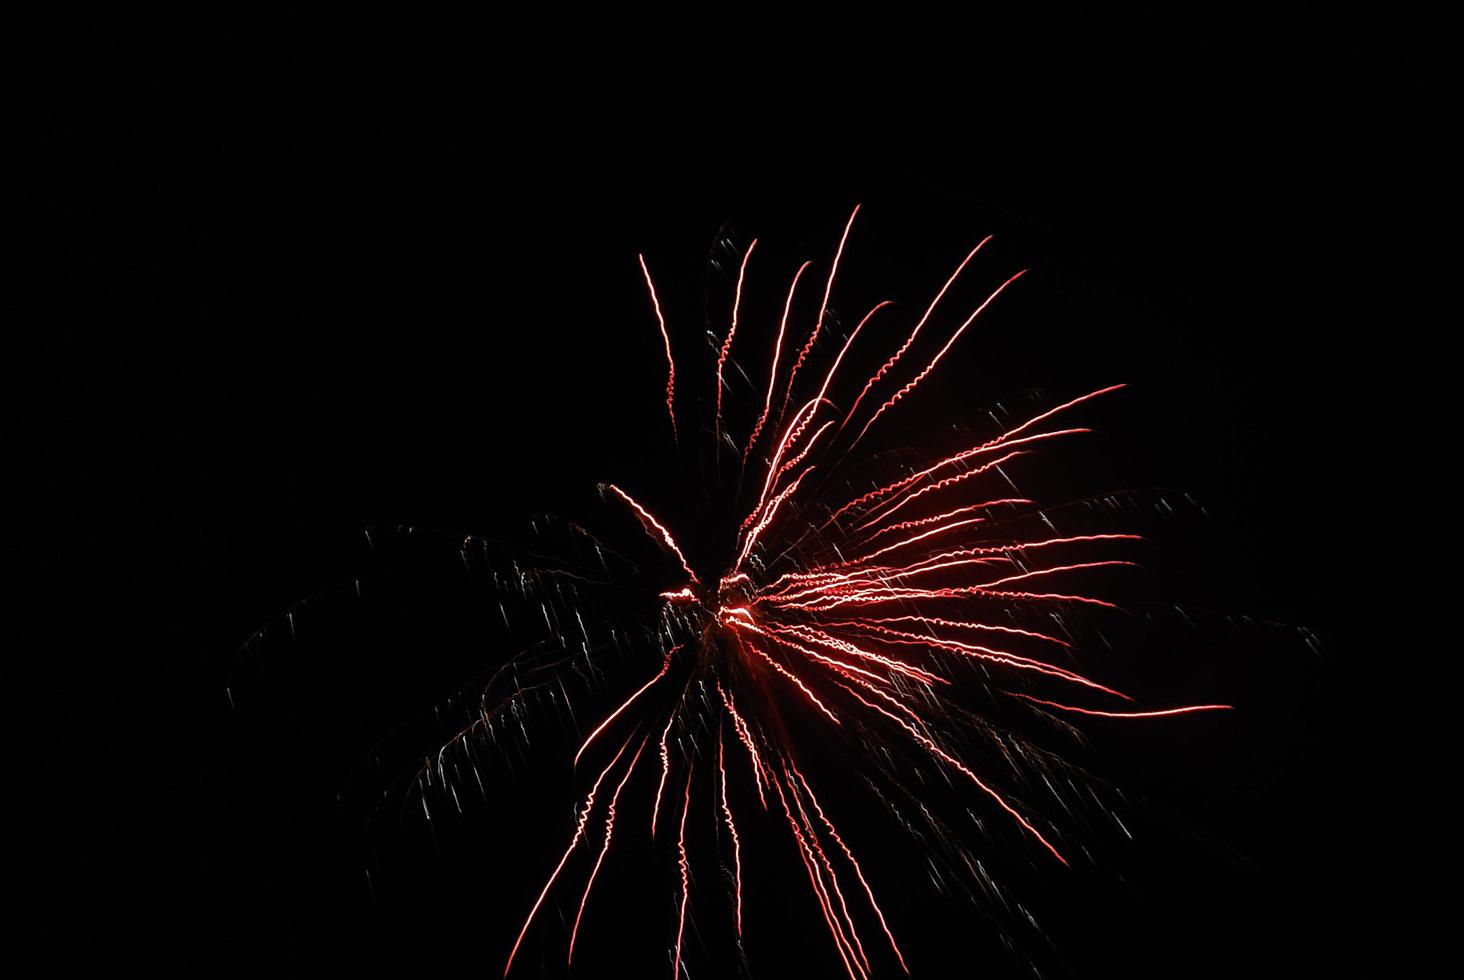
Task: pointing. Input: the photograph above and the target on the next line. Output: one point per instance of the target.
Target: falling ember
(844, 611)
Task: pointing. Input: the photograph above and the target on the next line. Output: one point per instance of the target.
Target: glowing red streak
(857, 946)
(885, 368)
(666, 538)
(1040, 597)
(732, 615)
(744, 733)
(988, 654)
(957, 764)
(768, 517)
(815, 879)
(903, 542)
(856, 674)
(852, 583)
(1025, 546)
(1005, 439)
(1001, 442)
(818, 636)
(792, 678)
(670, 362)
(609, 832)
(616, 713)
(773, 371)
(847, 344)
(921, 522)
(822, 308)
(958, 624)
(870, 597)
(1060, 568)
(926, 567)
(804, 452)
(1164, 713)
(773, 470)
(731, 829)
(685, 876)
(665, 771)
(1062, 408)
(731, 332)
(943, 484)
(578, 833)
(936, 360)
(869, 892)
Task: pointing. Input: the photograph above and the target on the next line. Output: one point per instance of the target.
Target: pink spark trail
(662, 534)
(773, 371)
(685, 877)
(670, 361)
(731, 830)
(822, 308)
(731, 332)
(604, 848)
(851, 609)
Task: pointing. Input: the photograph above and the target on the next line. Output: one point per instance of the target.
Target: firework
(847, 610)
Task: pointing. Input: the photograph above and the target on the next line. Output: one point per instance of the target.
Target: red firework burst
(840, 616)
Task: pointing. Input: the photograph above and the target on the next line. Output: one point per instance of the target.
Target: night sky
(281, 282)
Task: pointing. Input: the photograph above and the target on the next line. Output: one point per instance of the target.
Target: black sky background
(281, 281)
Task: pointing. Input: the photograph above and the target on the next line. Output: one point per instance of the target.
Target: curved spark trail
(604, 848)
(731, 332)
(685, 877)
(822, 308)
(628, 701)
(773, 371)
(1164, 713)
(579, 831)
(731, 829)
(663, 535)
(895, 357)
(844, 608)
(670, 361)
(910, 386)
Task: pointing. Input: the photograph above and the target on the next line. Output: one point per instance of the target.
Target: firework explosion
(846, 611)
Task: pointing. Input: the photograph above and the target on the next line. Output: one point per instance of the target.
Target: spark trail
(842, 606)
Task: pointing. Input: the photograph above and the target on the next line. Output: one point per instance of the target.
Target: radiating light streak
(665, 336)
